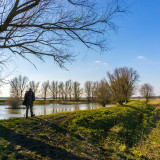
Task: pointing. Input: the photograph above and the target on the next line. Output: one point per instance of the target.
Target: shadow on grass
(33, 145)
(57, 128)
(134, 124)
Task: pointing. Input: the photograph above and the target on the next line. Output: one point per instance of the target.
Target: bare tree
(48, 27)
(94, 88)
(146, 91)
(52, 89)
(18, 85)
(34, 86)
(70, 89)
(103, 93)
(122, 83)
(61, 90)
(66, 90)
(14, 88)
(44, 90)
(88, 89)
(77, 91)
(56, 89)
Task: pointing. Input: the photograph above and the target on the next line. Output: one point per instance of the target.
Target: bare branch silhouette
(49, 28)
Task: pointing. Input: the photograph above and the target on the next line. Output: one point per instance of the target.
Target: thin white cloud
(97, 61)
(141, 58)
(106, 64)
(102, 63)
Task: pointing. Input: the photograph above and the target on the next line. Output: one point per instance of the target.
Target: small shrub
(13, 102)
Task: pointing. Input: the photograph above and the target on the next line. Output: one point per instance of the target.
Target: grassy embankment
(130, 131)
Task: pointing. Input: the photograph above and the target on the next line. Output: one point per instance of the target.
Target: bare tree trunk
(45, 86)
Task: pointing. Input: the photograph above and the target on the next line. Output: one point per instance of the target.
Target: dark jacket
(29, 97)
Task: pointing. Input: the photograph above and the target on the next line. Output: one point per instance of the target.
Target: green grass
(2, 101)
(105, 133)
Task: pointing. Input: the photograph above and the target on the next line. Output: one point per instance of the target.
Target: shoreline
(50, 101)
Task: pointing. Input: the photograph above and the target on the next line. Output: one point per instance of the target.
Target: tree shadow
(35, 146)
(57, 127)
(132, 124)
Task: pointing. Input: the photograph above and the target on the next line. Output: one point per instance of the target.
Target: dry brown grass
(151, 147)
(154, 102)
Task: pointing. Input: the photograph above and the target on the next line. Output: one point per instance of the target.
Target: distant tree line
(118, 87)
(68, 90)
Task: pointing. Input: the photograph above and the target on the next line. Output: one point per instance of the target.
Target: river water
(45, 109)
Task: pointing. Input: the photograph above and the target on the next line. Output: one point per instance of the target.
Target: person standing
(29, 98)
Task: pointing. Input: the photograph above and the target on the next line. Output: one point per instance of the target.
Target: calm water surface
(44, 109)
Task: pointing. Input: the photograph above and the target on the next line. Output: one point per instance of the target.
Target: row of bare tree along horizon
(119, 87)
(67, 90)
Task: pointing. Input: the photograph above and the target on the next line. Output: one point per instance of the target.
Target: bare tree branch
(50, 28)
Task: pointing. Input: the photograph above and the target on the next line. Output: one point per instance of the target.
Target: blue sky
(136, 44)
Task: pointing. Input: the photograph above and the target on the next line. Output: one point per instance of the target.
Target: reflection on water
(44, 109)
(57, 108)
(7, 113)
(13, 111)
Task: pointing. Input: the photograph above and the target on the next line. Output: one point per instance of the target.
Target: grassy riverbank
(107, 133)
(3, 101)
(48, 101)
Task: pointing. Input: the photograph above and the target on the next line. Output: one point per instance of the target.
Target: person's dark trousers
(29, 106)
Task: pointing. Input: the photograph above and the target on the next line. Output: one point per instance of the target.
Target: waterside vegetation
(47, 101)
